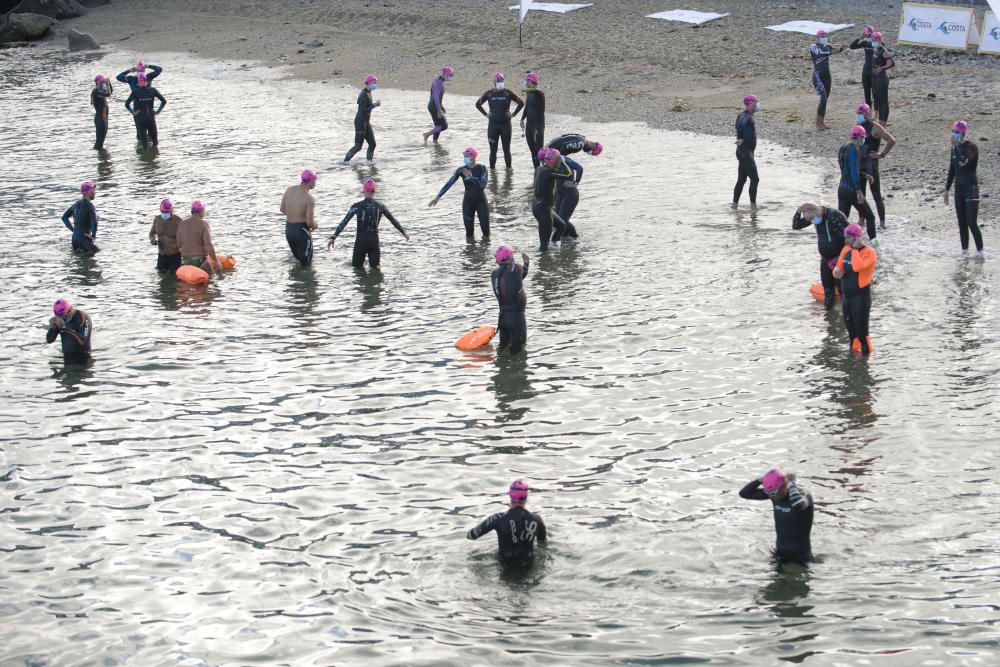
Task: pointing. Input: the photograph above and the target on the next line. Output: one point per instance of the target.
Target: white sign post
(938, 26)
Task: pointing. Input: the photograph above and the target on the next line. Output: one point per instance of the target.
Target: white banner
(525, 6)
(938, 26)
(991, 34)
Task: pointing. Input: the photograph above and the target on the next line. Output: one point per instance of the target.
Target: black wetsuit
(474, 202)
(869, 165)
(545, 201)
(964, 160)
(143, 97)
(132, 81)
(84, 225)
(362, 126)
(300, 241)
(850, 185)
(830, 239)
(517, 529)
(369, 212)
(508, 287)
(746, 131)
(74, 336)
(534, 122)
(792, 524)
(880, 82)
(866, 70)
(567, 197)
(498, 129)
(99, 100)
(567, 144)
(856, 300)
(821, 74)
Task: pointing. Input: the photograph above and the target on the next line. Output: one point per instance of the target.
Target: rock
(94, 3)
(241, 38)
(81, 41)
(931, 96)
(315, 43)
(25, 27)
(57, 9)
(301, 51)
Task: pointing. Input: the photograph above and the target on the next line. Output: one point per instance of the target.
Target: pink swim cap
(370, 79)
(166, 206)
(863, 108)
(447, 71)
(877, 36)
(197, 206)
(471, 152)
(369, 186)
(139, 67)
(504, 254)
(99, 79)
(497, 76)
(518, 492)
(858, 132)
(61, 307)
(853, 230)
(772, 481)
(547, 154)
(531, 77)
(869, 31)
(821, 33)
(308, 176)
(598, 149)
(960, 126)
(749, 100)
(141, 79)
(87, 187)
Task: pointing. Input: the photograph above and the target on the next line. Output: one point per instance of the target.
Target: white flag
(526, 4)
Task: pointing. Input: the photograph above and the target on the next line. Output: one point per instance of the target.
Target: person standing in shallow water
(99, 100)
(130, 77)
(517, 528)
(366, 242)
(475, 177)
(793, 513)
(84, 225)
(72, 326)
(143, 97)
(962, 172)
(508, 287)
(436, 104)
(854, 270)
(746, 144)
(363, 130)
(498, 130)
(163, 234)
(829, 224)
(533, 118)
(299, 208)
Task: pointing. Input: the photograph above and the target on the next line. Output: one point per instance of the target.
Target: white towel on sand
(809, 27)
(687, 16)
(557, 7)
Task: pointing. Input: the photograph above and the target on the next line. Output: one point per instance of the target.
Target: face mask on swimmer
(499, 85)
(824, 41)
(956, 136)
(757, 107)
(468, 161)
(817, 220)
(875, 45)
(374, 86)
(862, 118)
(165, 216)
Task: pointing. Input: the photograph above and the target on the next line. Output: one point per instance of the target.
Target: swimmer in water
(363, 120)
(84, 225)
(517, 528)
(793, 514)
(99, 100)
(72, 326)
(436, 104)
(829, 224)
(474, 177)
(871, 158)
(143, 96)
(130, 77)
(746, 144)
(567, 192)
(854, 270)
(194, 236)
(498, 129)
(508, 287)
(820, 53)
(299, 208)
(369, 213)
(962, 172)
(163, 234)
(552, 169)
(849, 193)
(533, 118)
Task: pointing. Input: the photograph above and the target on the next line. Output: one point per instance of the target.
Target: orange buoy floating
(227, 261)
(476, 338)
(192, 274)
(817, 293)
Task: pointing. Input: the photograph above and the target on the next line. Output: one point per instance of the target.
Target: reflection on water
(280, 466)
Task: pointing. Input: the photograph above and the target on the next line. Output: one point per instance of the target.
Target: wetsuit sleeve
(123, 77)
(862, 260)
(51, 335)
(451, 182)
(520, 104)
(390, 218)
(853, 168)
(490, 523)
(840, 258)
(479, 105)
(163, 100)
(577, 169)
(484, 179)
(66, 217)
(524, 269)
(541, 534)
(156, 72)
(800, 222)
(436, 91)
(343, 223)
(859, 43)
(798, 498)
(129, 101)
(752, 491)
(951, 172)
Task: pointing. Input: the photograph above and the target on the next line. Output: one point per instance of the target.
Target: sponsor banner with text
(991, 34)
(938, 26)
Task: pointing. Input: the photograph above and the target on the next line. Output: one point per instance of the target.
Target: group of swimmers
(139, 104)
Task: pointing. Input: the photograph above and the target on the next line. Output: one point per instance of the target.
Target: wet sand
(608, 63)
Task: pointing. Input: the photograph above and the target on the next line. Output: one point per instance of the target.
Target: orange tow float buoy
(476, 338)
(817, 293)
(192, 274)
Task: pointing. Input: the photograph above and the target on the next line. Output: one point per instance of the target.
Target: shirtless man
(299, 206)
(194, 237)
(163, 234)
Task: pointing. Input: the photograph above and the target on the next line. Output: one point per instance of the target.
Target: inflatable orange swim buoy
(817, 293)
(192, 274)
(227, 261)
(476, 338)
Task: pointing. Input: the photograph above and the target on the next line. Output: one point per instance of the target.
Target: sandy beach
(607, 63)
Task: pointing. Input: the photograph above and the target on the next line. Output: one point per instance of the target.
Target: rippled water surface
(280, 468)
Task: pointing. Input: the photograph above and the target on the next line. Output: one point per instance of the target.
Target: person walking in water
(194, 236)
(533, 118)
(475, 177)
(299, 208)
(793, 514)
(436, 104)
(163, 234)
(143, 97)
(820, 53)
(746, 144)
(84, 225)
(73, 328)
(962, 172)
(508, 287)
(517, 528)
(99, 100)
(366, 242)
(854, 270)
(498, 128)
(363, 120)
(849, 193)
(829, 224)
(553, 167)
(882, 62)
(130, 77)
(871, 158)
(865, 42)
